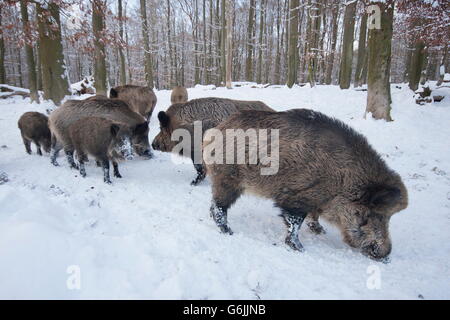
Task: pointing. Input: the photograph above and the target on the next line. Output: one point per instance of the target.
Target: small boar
(114, 110)
(140, 99)
(326, 169)
(104, 140)
(34, 128)
(210, 111)
(179, 95)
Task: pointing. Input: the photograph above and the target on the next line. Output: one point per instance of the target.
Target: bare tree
(293, 40)
(379, 64)
(148, 64)
(55, 82)
(345, 72)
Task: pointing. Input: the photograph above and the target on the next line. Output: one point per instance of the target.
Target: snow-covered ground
(149, 235)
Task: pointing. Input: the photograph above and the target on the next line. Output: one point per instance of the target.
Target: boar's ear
(114, 129)
(113, 93)
(381, 196)
(141, 128)
(163, 119)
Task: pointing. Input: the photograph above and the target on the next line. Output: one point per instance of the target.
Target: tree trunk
(250, 41)
(148, 64)
(276, 79)
(32, 82)
(417, 62)
(222, 42)
(379, 65)
(54, 77)
(330, 63)
(361, 50)
(313, 36)
(260, 41)
(345, 71)
(205, 60)
(442, 70)
(98, 24)
(2, 54)
(229, 42)
(122, 70)
(293, 38)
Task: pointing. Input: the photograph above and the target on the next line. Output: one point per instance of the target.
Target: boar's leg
(38, 147)
(56, 147)
(313, 223)
(27, 144)
(225, 193)
(294, 219)
(201, 174)
(81, 159)
(116, 170)
(70, 160)
(105, 165)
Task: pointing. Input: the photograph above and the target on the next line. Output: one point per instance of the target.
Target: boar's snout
(376, 251)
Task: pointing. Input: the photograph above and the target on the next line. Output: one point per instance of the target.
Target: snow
(149, 235)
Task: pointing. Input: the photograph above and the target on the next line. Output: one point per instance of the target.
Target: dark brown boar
(325, 169)
(140, 99)
(179, 95)
(114, 110)
(103, 139)
(210, 111)
(34, 128)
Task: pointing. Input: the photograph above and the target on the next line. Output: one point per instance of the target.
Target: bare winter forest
(163, 43)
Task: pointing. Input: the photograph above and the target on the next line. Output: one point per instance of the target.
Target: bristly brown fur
(34, 128)
(140, 99)
(326, 169)
(179, 95)
(111, 109)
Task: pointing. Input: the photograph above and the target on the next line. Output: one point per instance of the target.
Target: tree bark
(442, 70)
(293, 40)
(54, 76)
(222, 42)
(314, 14)
(330, 63)
(122, 70)
(417, 62)
(148, 64)
(345, 72)
(32, 82)
(250, 41)
(361, 50)
(229, 42)
(260, 41)
(98, 24)
(2, 54)
(379, 65)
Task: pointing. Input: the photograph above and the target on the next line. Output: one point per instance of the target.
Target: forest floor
(149, 235)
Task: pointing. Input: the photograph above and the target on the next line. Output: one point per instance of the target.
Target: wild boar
(325, 169)
(103, 139)
(141, 100)
(179, 95)
(210, 111)
(114, 110)
(34, 128)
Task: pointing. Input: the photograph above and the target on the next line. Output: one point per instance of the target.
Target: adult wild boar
(325, 169)
(103, 139)
(34, 128)
(140, 99)
(179, 95)
(210, 111)
(114, 110)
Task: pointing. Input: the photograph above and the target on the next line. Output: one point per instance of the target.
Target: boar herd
(325, 168)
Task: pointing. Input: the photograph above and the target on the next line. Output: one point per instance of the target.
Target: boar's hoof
(294, 243)
(316, 228)
(107, 181)
(55, 163)
(226, 229)
(117, 175)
